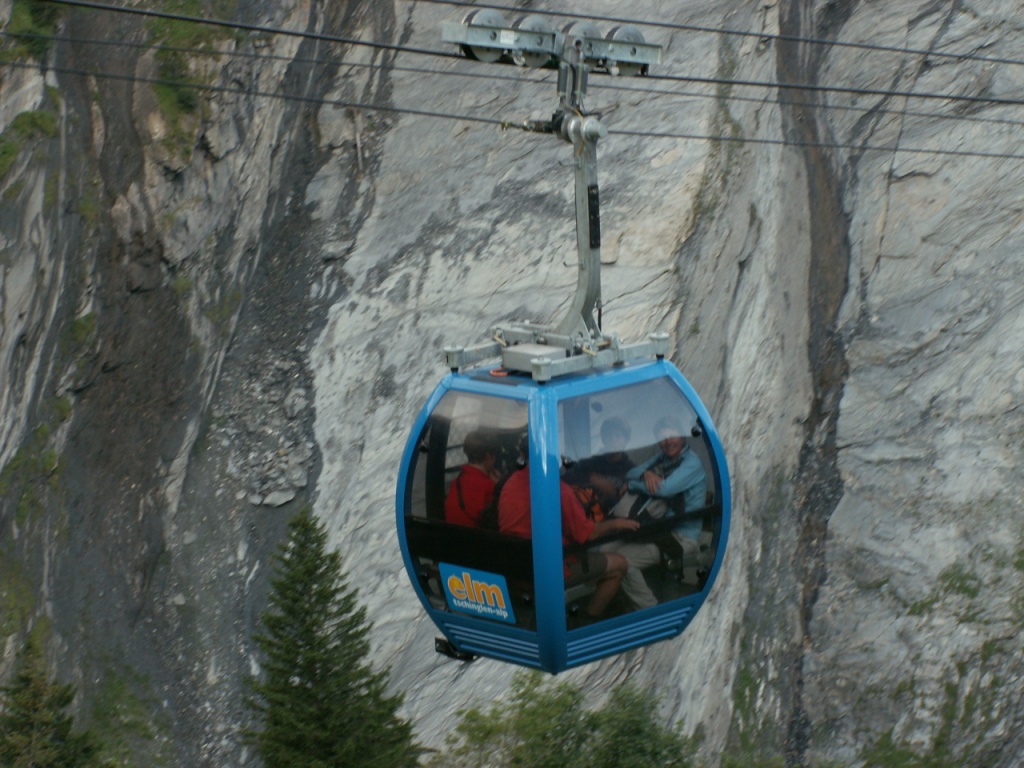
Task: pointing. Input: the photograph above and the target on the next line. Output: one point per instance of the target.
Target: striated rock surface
(213, 317)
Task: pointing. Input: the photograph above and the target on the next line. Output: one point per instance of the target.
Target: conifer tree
(318, 698)
(35, 729)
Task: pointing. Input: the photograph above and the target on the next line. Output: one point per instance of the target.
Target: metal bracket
(544, 356)
(442, 646)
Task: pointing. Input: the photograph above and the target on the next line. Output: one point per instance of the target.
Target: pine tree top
(318, 697)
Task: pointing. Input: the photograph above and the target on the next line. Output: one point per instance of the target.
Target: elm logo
(477, 592)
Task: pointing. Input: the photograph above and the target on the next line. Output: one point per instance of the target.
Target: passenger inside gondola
(675, 474)
(671, 482)
(606, 569)
(472, 490)
(603, 477)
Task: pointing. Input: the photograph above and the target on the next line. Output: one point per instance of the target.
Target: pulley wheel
(583, 29)
(625, 34)
(526, 25)
(485, 17)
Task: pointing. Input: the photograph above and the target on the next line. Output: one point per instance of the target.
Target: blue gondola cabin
(511, 504)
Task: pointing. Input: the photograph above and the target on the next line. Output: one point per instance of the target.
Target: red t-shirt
(468, 494)
(514, 510)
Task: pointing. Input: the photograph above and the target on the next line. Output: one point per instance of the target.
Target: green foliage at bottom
(548, 726)
(885, 753)
(128, 721)
(753, 762)
(35, 730)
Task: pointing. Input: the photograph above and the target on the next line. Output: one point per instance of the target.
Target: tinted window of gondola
(639, 452)
(467, 450)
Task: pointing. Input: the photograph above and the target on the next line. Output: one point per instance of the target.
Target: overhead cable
(507, 124)
(819, 145)
(306, 34)
(619, 84)
(341, 103)
(452, 55)
(866, 109)
(254, 56)
(997, 100)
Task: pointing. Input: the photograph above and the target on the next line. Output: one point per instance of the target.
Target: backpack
(590, 501)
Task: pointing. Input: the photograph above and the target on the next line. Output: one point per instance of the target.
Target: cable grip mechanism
(577, 341)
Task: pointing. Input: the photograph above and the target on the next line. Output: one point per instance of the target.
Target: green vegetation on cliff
(34, 124)
(30, 28)
(180, 48)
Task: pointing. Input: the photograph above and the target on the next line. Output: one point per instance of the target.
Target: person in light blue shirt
(676, 476)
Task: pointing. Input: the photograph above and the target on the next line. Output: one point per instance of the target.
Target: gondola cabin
(496, 473)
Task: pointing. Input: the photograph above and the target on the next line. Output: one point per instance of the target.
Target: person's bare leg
(607, 585)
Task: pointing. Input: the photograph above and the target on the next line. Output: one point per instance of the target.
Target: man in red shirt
(473, 489)
(607, 568)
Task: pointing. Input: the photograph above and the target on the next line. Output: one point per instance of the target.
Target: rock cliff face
(219, 305)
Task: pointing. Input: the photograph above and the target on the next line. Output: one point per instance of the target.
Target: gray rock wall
(210, 321)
